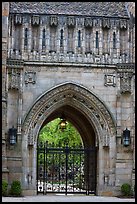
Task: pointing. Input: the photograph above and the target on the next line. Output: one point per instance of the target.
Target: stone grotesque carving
(30, 77)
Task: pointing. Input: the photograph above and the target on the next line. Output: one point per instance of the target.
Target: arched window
(43, 38)
(97, 44)
(79, 38)
(26, 37)
(114, 40)
(61, 38)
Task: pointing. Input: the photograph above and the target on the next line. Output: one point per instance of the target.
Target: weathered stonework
(76, 58)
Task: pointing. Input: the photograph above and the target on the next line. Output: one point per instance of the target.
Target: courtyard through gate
(66, 169)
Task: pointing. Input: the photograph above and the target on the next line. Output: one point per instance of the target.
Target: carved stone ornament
(14, 79)
(30, 77)
(71, 21)
(88, 22)
(53, 20)
(35, 20)
(125, 82)
(106, 23)
(105, 138)
(72, 95)
(123, 23)
(18, 19)
(30, 137)
(110, 80)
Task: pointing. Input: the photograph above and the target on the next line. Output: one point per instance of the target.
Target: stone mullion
(65, 40)
(58, 39)
(40, 39)
(110, 42)
(118, 44)
(22, 42)
(29, 38)
(75, 37)
(94, 40)
(47, 39)
(100, 41)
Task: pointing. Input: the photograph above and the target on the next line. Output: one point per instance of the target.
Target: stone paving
(65, 198)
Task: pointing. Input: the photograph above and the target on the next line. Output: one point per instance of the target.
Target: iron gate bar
(78, 166)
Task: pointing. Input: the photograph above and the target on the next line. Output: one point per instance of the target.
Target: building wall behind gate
(35, 67)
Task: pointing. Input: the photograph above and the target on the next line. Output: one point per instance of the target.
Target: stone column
(5, 15)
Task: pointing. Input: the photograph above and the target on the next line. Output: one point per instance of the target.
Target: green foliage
(53, 134)
(126, 189)
(56, 137)
(16, 189)
(4, 187)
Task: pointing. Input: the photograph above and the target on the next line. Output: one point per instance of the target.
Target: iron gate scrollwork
(66, 169)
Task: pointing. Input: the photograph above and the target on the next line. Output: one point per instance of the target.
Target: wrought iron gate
(66, 169)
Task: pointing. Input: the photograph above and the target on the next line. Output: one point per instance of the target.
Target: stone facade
(61, 57)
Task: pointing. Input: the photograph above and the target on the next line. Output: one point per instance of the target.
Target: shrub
(4, 187)
(16, 189)
(126, 189)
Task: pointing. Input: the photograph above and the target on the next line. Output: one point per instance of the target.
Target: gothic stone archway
(94, 123)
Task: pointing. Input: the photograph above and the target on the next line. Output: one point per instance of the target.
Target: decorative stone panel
(110, 80)
(123, 24)
(35, 20)
(125, 72)
(18, 19)
(71, 21)
(53, 21)
(30, 77)
(14, 80)
(30, 137)
(125, 82)
(106, 23)
(88, 22)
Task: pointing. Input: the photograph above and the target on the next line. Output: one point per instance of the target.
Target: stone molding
(70, 94)
(18, 19)
(35, 20)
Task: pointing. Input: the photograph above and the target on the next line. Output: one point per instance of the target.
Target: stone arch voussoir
(75, 95)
